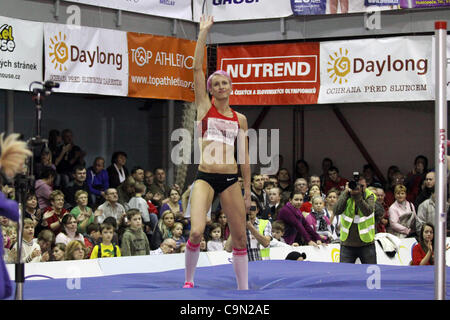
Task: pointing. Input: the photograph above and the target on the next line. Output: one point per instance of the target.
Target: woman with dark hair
(69, 230)
(117, 171)
(423, 251)
(415, 178)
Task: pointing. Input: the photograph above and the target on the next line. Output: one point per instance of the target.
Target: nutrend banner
(277, 74)
(388, 69)
(178, 9)
(227, 10)
(161, 67)
(20, 53)
(86, 60)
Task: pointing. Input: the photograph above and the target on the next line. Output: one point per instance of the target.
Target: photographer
(356, 204)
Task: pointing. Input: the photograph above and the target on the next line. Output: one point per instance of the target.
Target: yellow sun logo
(59, 52)
(339, 66)
(335, 255)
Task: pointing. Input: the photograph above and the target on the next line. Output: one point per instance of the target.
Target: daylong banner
(388, 69)
(178, 9)
(86, 60)
(161, 67)
(277, 74)
(227, 10)
(20, 53)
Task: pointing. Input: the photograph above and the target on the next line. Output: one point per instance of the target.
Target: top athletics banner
(277, 74)
(21, 45)
(178, 9)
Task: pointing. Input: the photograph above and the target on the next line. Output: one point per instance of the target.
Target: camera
(355, 182)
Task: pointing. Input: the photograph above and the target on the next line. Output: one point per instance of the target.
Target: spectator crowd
(88, 211)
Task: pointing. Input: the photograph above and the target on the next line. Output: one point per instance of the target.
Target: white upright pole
(440, 59)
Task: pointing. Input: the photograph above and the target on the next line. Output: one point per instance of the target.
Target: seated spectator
(45, 240)
(297, 228)
(82, 212)
(31, 251)
(177, 234)
(70, 155)
(415, 178)
(267, 186)
(275, 205)
(423, 253)
(369, 174)
(277, 235)
(381, 220)
(426, 212)
(44, 187)
(327, 163)
(301, 169)
(134, 241)
(44, 163)
(117, 171)
(148, 178)
(168, 246)
(174, 203)
(58, 252)
(110, 208)
(203, 244)
(307, 205)
(151, 207)
(285, 184)
(78, 183)
(139, 203)
(115, 223)
(319, 222)
(397, 179)
(33, 212)
(335, 181)
(52, 215)
(92, 237)
(301, 184)
(163, 229)
(402, 215)
(106, 248)
(69, 230)
(137, 173)
(221, 219)
(160, 186)
(54, 143)
(215, 241)
(97, 181)
(126, 191)
(330, 201)
(427, 189)
(75, 250)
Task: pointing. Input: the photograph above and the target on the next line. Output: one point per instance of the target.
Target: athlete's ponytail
(13, 154)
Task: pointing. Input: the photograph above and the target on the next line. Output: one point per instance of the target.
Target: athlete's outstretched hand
(206, 23)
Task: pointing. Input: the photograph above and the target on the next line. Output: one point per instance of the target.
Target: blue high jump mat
(268, 280)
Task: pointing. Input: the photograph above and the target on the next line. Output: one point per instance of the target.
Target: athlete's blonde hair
(13, 154)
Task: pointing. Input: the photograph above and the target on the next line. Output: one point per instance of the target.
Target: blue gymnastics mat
(268, 280)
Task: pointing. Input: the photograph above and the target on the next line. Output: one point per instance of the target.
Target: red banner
(277, 74)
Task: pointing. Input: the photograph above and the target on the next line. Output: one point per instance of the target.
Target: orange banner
(160, 67)
(272, 74)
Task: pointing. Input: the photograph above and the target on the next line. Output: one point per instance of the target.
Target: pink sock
(240, 266)
(191, 258)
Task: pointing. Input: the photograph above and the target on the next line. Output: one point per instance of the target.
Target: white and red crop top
(217, 127)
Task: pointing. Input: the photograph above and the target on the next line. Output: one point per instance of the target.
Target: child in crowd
(277, 235)
(92, 237)
(33, 212)
(134, 240)
(177, 233)
(113, 222)
(58, 252)
(46, 240)
(319, 221)
(203, 247)
(75, 250)
(166, 224)
(106, 248)
(139, 203)
(31, 251)
(215, 235)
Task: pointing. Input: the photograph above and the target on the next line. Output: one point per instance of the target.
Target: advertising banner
(277, 74)
(406, 4)
(86, 60)
(389, 69)
(312, 7)
(20, 53)
(161, 67)
(227, 10)
(178, 9)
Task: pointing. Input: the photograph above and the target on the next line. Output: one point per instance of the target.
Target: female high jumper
(218, 128)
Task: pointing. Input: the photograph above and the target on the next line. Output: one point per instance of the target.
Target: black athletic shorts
(218, 181)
